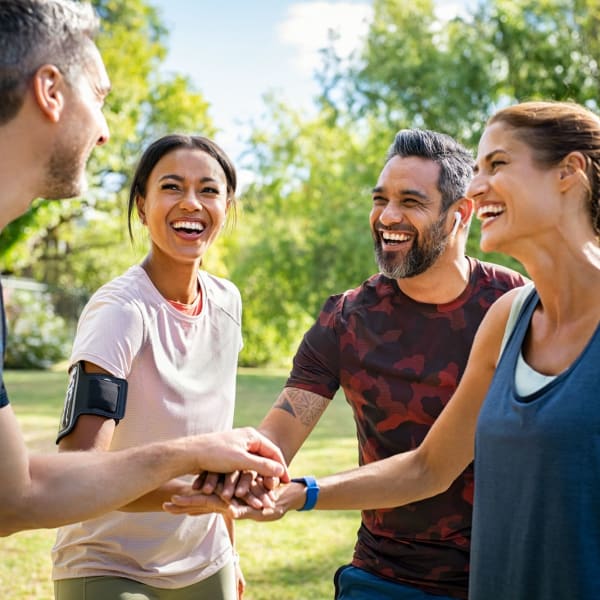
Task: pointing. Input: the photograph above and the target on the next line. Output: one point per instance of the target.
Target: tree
(305, 226)
(82, 243)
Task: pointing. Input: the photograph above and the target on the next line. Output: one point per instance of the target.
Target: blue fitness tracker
(312, 491)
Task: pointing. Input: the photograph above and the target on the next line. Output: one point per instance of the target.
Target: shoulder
(120, 296)
(490, 333)
(507, 306)
(370, 291)
(222, 293)
(498, 276)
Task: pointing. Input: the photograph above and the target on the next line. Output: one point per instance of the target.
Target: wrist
(311, 491)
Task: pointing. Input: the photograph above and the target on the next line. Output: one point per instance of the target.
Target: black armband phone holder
(92, 394)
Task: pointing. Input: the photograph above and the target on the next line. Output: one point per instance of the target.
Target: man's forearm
(74, 486)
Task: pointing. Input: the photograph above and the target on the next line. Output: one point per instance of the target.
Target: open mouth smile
(188, 227)
(490, 212)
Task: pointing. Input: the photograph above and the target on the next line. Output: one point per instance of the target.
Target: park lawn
(292, 559)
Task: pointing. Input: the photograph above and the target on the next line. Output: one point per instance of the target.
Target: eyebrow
(180, 178)
(488, 157)
(408, 192)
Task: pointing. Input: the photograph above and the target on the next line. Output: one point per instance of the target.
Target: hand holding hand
(239, 449)
(286, 497)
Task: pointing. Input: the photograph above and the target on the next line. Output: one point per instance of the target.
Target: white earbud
(457, 220)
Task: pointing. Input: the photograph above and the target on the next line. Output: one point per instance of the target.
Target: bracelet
(312, 491)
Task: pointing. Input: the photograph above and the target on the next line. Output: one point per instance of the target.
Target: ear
(464, 207)
(571, 170)
(140, 205)
(48, 91)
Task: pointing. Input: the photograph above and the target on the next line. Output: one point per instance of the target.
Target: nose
(477, 186)
(391, 214)
(104, 132)
(190, 201)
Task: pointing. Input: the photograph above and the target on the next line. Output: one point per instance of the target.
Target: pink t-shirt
(181, 374)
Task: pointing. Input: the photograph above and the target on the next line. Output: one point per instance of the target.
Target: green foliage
(84, 242)
(304, 231)
(37, 337)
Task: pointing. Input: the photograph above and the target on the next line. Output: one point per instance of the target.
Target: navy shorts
(352, 583)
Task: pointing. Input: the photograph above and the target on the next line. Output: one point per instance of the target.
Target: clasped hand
(241, 495)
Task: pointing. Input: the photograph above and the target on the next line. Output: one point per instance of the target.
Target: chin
(488, 245)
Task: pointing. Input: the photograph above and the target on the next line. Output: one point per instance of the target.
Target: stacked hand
(241, 494)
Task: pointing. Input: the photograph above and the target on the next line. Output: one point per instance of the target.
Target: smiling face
(83, 127)
(185, 205)
(407, 224)
(512, 193)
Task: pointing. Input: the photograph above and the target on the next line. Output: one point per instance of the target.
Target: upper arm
(292, 418)
(91, 432)
(14, 467)
(449, 446)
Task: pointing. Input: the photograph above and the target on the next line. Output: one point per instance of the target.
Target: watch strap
(312, 491)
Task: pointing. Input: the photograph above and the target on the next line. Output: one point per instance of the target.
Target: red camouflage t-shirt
(398, 362)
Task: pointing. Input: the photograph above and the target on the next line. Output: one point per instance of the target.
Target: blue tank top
(536, 518)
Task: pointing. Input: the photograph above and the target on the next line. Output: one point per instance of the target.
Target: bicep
(292, 418)
(91, 432)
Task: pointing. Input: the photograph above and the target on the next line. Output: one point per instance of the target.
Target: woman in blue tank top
(527, 407)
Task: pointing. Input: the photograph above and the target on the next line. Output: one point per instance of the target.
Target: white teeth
(193, 225)
(389, 236)
(490, 210)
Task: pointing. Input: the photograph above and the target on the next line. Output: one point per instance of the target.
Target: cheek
(374, 215)
(220, 211)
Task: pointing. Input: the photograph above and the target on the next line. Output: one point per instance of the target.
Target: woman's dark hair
(552, 130)
(164, 146)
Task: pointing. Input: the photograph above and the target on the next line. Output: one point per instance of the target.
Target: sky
(235, 51)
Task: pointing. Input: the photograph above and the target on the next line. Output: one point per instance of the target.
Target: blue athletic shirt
(536, 518)
(3, 394)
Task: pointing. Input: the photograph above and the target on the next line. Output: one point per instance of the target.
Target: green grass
(291, 559)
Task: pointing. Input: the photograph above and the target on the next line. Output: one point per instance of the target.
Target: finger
(251, 500)
(199, 481)
(229, 484)
(262, 495)
(243, 511)
(196, 504)
(276, 466)
(271, 483)
(210, 483)
(244, 483)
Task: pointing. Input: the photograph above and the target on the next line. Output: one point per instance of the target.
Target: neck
(20, 169)
(175, 282)
(443, 282)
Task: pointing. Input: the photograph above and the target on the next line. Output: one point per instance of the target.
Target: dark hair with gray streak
(38, 32)
(456, 162)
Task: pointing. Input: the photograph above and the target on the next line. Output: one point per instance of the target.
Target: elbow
(433, 480)
(13, 518)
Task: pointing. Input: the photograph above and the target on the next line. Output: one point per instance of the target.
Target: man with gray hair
(397, 345)
(52, 88)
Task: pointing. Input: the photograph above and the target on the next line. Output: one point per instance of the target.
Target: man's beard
(423, 253)
(65, 176)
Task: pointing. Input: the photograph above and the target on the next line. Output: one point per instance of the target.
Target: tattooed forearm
(305, 406)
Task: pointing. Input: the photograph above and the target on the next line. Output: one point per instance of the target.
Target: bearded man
(398, 345)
